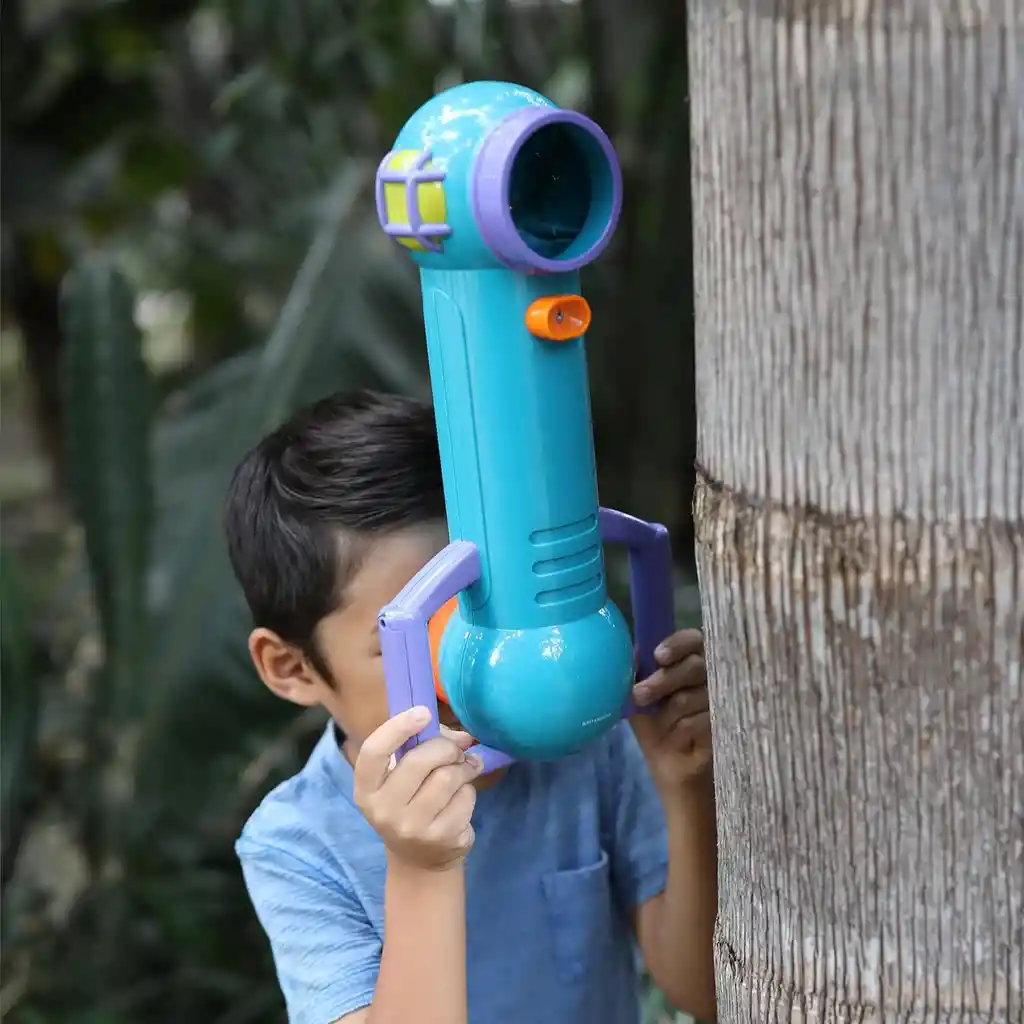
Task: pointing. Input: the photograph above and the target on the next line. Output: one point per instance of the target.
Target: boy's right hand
(422, 806)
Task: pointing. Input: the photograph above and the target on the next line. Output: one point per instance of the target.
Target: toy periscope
(501, 197)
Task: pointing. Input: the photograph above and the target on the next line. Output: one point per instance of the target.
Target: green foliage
(175, 677)
(222, 151)
(20, 664)
(108, 407)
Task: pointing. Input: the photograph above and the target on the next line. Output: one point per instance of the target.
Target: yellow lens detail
(429, 198)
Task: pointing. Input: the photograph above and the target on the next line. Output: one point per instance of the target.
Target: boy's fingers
(679, 645)
(687, 703)
(404, 782)
(690, 674)
(461, 739)
(440, 786)
(454, 818)
(374, 760)
(691, 732)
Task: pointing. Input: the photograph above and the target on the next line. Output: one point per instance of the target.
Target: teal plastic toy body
(501, 197)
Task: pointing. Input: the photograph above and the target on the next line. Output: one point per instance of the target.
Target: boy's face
(349, 641)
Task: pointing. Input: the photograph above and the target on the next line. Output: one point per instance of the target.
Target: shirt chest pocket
(582, 918)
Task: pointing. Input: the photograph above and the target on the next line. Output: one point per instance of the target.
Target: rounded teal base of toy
(539, 693)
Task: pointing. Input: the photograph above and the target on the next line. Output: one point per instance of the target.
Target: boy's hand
(676, 738)
(422, 806)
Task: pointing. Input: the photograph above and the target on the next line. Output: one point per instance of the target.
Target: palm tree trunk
(858, 173)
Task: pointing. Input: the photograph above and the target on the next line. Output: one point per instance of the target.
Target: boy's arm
(423, 966)
(422, 809)
(326, 951)
(664, 870)
(328, 957)
(675, 929)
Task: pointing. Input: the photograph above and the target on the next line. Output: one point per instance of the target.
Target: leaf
(108, 407)
(196, 601)
(358, 323)
(151, 163)
(387, 309)
(21, 707)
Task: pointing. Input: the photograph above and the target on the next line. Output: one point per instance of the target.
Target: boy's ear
(284, 668)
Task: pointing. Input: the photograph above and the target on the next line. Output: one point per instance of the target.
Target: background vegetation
(189, 251)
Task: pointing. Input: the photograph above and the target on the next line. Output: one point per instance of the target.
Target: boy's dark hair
(303, 504)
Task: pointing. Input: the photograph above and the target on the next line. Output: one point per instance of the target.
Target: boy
(423, 892)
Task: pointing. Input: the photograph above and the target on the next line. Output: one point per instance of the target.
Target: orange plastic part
(435, 630)
(558, 317)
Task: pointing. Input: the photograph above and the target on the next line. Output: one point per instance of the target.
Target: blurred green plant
(173, 669)
(108, 408)
(21, 665)
(198, 137)
(156, 825)
(207, 148)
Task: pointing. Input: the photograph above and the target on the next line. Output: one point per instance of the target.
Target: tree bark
(858, 173)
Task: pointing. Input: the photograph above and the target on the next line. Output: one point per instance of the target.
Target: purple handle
(405, 640)
(650, 585)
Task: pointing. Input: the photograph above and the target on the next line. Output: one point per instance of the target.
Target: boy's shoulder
(304, 815)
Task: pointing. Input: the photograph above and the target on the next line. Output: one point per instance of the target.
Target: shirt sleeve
(638, 839)
(325, 950)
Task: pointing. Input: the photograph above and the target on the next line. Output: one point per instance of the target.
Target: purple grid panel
(412, 177)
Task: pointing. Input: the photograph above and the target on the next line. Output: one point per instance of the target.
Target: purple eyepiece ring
(491, 177)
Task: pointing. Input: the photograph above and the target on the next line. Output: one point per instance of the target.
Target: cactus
(109, 399)
(108, 402)
(20, 667)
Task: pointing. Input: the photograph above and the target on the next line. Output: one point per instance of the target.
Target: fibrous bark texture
(858, 175)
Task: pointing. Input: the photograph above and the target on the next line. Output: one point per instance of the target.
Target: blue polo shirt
(564, 850)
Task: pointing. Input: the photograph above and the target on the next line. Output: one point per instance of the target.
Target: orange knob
(435, 630)
(558, 317)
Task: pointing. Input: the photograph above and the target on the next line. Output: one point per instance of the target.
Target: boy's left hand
(676, 738)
